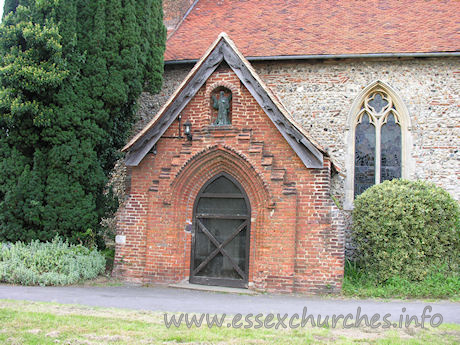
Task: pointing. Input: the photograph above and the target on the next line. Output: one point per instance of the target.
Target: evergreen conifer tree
(70, 75)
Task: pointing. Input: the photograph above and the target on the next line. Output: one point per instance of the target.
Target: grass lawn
(436, 285)
(50, 323)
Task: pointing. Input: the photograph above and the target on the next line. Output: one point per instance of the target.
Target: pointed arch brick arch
(200, 169)
(211, 161)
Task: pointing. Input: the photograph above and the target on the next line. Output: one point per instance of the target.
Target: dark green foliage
(10, 6)
(405, 229)
(70, 75)
(31, 74)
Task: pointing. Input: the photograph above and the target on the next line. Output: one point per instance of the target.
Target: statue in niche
(222, 105)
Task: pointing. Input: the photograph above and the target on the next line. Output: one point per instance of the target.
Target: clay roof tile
(263, 28)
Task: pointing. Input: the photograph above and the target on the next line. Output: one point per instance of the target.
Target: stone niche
(221, 106)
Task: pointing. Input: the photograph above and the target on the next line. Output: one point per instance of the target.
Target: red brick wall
(296, 244)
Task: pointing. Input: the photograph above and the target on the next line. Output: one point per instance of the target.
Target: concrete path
(166, 299)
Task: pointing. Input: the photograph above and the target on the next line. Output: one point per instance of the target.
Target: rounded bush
(50, 263)
(405, 228)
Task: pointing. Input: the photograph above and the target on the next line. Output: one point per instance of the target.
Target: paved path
(177, 300)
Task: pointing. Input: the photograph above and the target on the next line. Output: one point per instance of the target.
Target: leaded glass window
(390, 167)
(378, 142)
(364, 155)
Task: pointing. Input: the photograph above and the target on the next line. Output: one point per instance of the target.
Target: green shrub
(404, 228)
(50, 263)
(109, 255)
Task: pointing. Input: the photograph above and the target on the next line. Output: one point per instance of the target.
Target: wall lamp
(188, 130)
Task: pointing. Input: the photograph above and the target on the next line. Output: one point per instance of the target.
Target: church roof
(264, 28)
(223, 49)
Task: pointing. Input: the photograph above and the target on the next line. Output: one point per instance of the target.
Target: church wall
(320, 93)
(296, 241)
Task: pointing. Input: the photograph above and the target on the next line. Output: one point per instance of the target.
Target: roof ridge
(271, 94)
(182, 20)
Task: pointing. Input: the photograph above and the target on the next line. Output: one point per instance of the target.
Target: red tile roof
(311, 27)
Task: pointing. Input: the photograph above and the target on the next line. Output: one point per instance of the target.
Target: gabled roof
(264, 28)
(223, 49)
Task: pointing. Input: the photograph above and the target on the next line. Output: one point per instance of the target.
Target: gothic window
(377, 141)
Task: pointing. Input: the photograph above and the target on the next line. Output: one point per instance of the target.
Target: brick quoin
(296, 238)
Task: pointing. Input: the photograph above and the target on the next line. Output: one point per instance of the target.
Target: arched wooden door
(220, 241)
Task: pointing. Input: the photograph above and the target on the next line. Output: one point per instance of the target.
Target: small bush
(405, 228)
(109, 255)
(50, 263)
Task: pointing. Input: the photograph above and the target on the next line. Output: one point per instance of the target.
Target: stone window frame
(354, 118)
